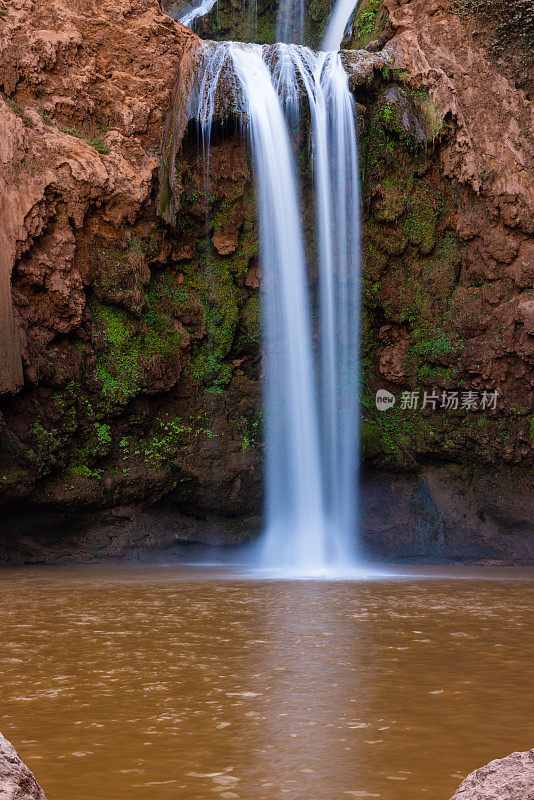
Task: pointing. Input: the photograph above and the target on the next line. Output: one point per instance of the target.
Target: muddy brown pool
(152, 683)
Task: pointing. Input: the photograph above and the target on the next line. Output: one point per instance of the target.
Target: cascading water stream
(335, 161)
(338, 24)
(310, 403)
(198, 12)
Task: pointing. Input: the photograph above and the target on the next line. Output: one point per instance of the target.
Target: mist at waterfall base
(311, 399)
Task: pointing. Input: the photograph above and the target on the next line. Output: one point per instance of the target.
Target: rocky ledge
(510, 778)
(16, 780)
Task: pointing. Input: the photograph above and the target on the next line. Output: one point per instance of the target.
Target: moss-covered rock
(368, 22)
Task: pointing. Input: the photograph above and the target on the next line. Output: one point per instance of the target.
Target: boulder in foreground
(16, 780)
(510, 778)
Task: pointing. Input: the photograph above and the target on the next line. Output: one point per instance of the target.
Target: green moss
(439, 345)
(412, 262)
(49, 439)
(208, 364)
(82, 471)
(249, 335)
(209, 289)
(370, 439)
(422, 214)
(129, 343)
(113, 260)
(369, 21)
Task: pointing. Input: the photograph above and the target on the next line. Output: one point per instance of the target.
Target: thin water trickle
(311, 400)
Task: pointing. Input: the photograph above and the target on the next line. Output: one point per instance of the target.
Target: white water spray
(311, 404)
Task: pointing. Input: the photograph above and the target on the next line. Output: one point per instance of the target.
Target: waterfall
(290, 21)
(338, 24)
(335, 161)
(311, 401)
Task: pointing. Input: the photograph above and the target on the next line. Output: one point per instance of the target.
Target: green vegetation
(412, 261)
(17, 109)
(369, 21)
(129, 344)
(97, 143)
(47, 441)
(221, 317)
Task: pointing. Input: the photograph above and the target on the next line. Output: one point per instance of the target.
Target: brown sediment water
(152, 683)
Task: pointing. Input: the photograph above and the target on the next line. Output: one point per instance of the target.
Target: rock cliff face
(125, 395)
(16, 780)
(449, 276)
(130, 405)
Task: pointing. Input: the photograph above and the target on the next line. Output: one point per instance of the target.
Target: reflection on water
(151, 683)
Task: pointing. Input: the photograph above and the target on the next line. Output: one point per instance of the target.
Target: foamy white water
(335, 160)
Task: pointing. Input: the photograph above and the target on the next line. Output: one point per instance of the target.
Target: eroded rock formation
(16, 780)
(107, 318)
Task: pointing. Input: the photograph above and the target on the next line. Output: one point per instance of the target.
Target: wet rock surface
(510, 778)
(16, 780)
